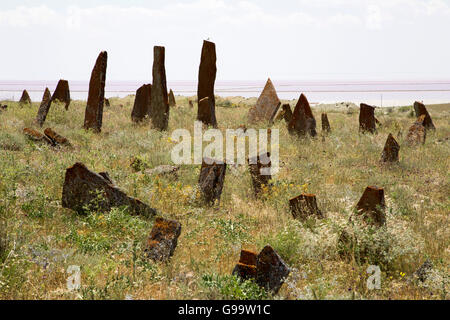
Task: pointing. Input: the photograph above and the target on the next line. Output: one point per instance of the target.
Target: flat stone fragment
(212, 176)
(159, 106)
(62, 93)
(325, 123)
(302, 122)
(142, 102)
(172, 102)
(94, 109)
(205, 114)
(271, 270)
(420, 109)
(266, 106)
(86, 190)
(304, 206)
(259, 168)
(164, 170)
(246, 267)
(37, 136)
(56, 138)
(206, 79)
(417, 133)
(44, 108)
(391, 150)
(372, 205)
(25, 98)
(163, 239)
(367, 118)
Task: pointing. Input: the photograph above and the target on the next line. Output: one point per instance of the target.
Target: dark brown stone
(86, 190)
(205, 113)
(377, 122)
(62, 93)
(94, 109)
(191, 104)
(44, 107)
(304, 206)
(212, 176)
(325, 123)
(142, 102)
(3, 107)
(37, 136)
(258, 178)
(25, 98)
(391, 150)
(56, 138)
(302, 122)
(206, 78)
(287, 112)
(420, 109)
(271, 270)
(172, 102)
(163, 239)
(246, 267)
(372, 205)
(159, 106)
(266, 106)
(107, 104)
(367, 118)
(417, 132)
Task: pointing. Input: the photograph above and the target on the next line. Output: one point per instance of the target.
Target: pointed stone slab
(302, 122)
(372, 205)
(259, 178)
(417, 133)
(56, 138)
(391, 150)
(62, 93)
(142, 102)
(163, 239)
(212, 177)
(25, 98)
(271, 270)
(172, 102)
(325, 123)
(206, 79)
(304, 206)
(37, 136)
(159, 106)
(94, 109)
(246, 267)
(205, 114)
(84, 189)
(44, 108)
(420, 109)
(367, 118)
(266, 106)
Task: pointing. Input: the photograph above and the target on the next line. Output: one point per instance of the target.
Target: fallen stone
(258, 166)
(164, 170)
(172, 102)
(162, 240)
(367, 118)
(212, 176)
(62, 93)
(266, 106)
(142, 102)
(205, 114)
(417, 133)
(304, 206)
(25, 98)
(44, 108)
(206, 79)
(420, 109)
(246, 267)
(271, 270)
(159, 106)
(302, 122)
(391, 150)
(372, 205)
(325, 123)
(56, 138)
(37, 136)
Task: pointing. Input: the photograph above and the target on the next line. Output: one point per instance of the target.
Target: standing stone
(325, 123)
(391, 149)
(246, 267)
(302, 122)
(62, 93)
(56, 138)
(417, 132)
(172, 102)
(372, 205)
(36, 136)
(206, 78)
(266, 106)
(84, 189)
(256, 167)
(94, 109)
(367, 118)
(271, 270)
(304, 206)
(205, 114)
(44, 107)
(191, 104)
(287, 112)
(212, 176)
(142, 102)
(25, 98)
(420, 109)
(163, 239)
(159, 106)
(107, 104)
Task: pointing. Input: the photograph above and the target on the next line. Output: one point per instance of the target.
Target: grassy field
(39, 239)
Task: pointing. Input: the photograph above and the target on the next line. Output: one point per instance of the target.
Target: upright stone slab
(162, 241)
(302, 122)
(325, 123)
(62, 93)
(84, 189)
(246, 267)
(25, 98)
(212, 176)
(107, 104)
(206, 78)
(159, 106)
(172, 102)
(372, 205)
(266, 106)
(257, 167)
(44, 107)
(142, 102)
(94, 109)
(271, 270)
(205, 114)
(304, 206)
(417, 133)
(367, 118)
(391, 150)
(420, 110)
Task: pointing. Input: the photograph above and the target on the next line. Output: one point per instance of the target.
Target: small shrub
(232, 287)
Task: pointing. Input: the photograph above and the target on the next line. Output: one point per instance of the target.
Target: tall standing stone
(44, 107)
(172, 102)
(142, 103)
(391, 149)
(302, 122)
(94, 109)
(266, 106)
(367, 118)
(372, 205)
(420, 109)
(206, 78)
(62, 93)
(212, 177)
(325, 123)
(159, 106)
(25, 98)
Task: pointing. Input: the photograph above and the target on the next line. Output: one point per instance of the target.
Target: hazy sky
(292, 39)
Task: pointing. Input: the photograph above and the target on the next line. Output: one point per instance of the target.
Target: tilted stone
(246, 267)
(25, 98)
(266, 106)
(163, 239)
(420, 109)
(205, 114)
(325, 123)
(391, 150)
(302, 122)
(304, 206)
(172, 102)
(94, 109)
(372, 205)
(206, 79)
(271, 270)
(37, 136)
(56, 138)
(142, 102)
(159, 106)
(212, 176)
(62, 93)
(417, 133)
(44, 107)
(257, 166)
(367, 118)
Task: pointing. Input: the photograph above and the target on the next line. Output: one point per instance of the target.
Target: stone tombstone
(205, 114)
(256, 165)
(302, 122)
(163, 239)
(36, 136)
(206, 79)
(304, 206)
(62, 93)
(56, 138)
(325, 123)
(417, 133)
(246, 267)
(94, 109)
(271, 270)
(44, 108)
(391, 150)
(172, 101)
(212, 177)
(420, 109)
(159, 106)
(367, 118)
(25, 98)
(372, 205)
(266, 106)
(142, 102)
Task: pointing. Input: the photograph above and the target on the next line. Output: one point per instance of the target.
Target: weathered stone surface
(246, 267)
(423, 272)
(84, 189)
(212, 176)
(159, 106)
(56, 138)
(271, 270)
(37, 136)
(372, 205)
(25, 98)
(107, 104)
(304, 206)
(205, 114)
(164, 170)
(206, 79)
(325, 123)
(266, 106)
(94, 109)
(142, 102)
(417, 133)
(62, 93)
(259, 178)
(302, 122)
(191, 104)
(367, 118)
(420, 110)
(286, 113)
(172, 102)
(44, 107)
(391, 150)
(163, 239)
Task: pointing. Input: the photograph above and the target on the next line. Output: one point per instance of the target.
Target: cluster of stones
(49, 137)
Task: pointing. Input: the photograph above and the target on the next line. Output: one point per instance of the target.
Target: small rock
(304, 206)
(163, 239)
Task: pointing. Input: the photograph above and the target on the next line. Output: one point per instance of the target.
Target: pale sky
(284, 40)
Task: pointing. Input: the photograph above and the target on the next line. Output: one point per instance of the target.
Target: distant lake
(379, 93)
